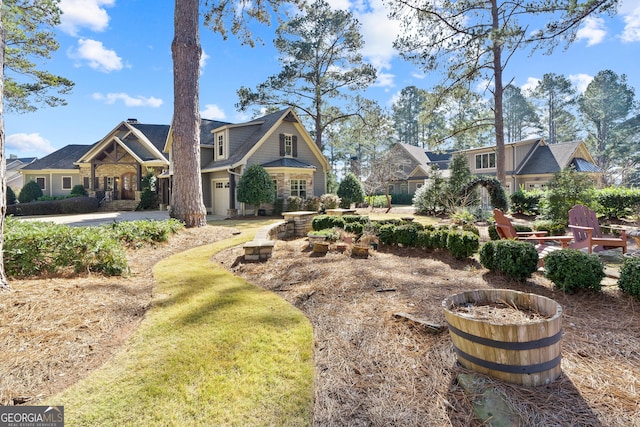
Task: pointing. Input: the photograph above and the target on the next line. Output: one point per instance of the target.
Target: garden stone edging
(261, 247)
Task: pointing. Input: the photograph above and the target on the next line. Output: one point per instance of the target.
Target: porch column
(139, 183)
(92, 183)
(232, 191)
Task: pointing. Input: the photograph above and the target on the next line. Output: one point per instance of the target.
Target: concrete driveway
(98, 218)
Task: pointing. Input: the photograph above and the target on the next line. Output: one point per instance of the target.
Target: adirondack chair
(587, 234)
(539, 239)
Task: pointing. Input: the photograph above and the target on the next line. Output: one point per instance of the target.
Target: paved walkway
(98, 218)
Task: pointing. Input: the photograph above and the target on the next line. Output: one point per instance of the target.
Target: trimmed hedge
(629, 281)
(73, 205)
(514, 258)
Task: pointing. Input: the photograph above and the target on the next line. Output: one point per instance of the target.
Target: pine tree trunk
(497, 96)
(186, 203)
(4, 283)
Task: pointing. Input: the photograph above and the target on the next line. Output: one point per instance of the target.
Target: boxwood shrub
(462, 244)
(629, 281)
(73, 205)
(571, 270)
(514, 258)
(322, 222)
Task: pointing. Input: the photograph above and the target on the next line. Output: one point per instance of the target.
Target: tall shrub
(30, 192)
(566, 189)
(11, 196)
(350, 191)
(255, 187)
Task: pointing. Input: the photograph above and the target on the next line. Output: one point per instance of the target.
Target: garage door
(220, 197)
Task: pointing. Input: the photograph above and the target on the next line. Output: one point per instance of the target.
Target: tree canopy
(473, 40)
(256, 187)
(321, 61)
(28, 36)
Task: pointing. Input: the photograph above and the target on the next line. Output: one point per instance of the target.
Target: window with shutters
(288, 145)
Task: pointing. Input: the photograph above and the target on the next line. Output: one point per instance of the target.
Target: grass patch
(213, 350)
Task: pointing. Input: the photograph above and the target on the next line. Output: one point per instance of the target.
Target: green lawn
(213, 350)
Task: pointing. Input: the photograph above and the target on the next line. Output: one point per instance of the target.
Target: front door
(128, 181)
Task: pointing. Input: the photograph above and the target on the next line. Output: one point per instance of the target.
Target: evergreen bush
(462, 244)
(629, 281)
(386, 234)
(487, 255)
(513, 258)
(256, 187)
(571, 270)
(30, 191)
(78, 190)
(350, 191)
(329, 201)
(11, 196)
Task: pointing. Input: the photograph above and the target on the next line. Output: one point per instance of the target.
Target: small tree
(149, 196)
(566, 189)
(11, 196)
(255, 187)
(350, 191)
(30, 192)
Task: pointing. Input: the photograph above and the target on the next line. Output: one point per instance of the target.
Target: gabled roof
(261, 128)
(207, 127)
(64, 158)
(549, 159)
(424, 158)
(156, 134)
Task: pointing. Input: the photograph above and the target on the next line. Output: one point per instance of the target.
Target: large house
(529, 163)
(113, 168)
(14, 177)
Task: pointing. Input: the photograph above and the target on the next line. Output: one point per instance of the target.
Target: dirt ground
(372, 369)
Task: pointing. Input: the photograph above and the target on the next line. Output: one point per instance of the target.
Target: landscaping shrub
(429, 199)
(321, 222)
(11, 196)
(424, 239)
(74, 205)
(294, 204)
(617, 202)
(30, 192)
(471, 229)
(255, 187)
(386, 234)
(526, 202)
(329, 201)
(377, 201)
(406, 234)
(462, 244)
(312, 204)
(493, 233)
(362, 219)
(148, 197)
(399, 199)
(440, 237)
(629, 281)
(552, 228)
(350, 191)
(571, 269)
(78, 190)
(566, 189)
(277, 207)
(138, 233)
(354, 227)
(513, 258)
(487, 255)
(328, 233)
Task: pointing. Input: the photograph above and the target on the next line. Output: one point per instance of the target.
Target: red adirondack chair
(587, 234)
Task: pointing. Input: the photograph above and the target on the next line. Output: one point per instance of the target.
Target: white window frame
(70, 182)
(288, 145)
(220, 149)
(486, 161)
(298, 188)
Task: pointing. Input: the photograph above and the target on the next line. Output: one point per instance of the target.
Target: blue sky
(118, 53)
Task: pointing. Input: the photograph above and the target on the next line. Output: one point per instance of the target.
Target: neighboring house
(113, 168)
(14, 177)
(414, 166)
(529, 163)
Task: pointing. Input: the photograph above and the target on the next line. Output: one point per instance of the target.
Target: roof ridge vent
(132, 121)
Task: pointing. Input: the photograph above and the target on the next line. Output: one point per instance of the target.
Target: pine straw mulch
(375, 369)
(55, 330)
(371, 368)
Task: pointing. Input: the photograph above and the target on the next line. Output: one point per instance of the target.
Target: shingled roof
(63, 158)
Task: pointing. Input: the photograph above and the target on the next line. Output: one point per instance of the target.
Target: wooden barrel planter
(523, 352)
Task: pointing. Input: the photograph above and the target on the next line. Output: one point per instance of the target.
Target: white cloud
(384, 80)
(631, 16)
(203, 61)
(580, 81)
(28, 143)
(530, 85)
(212, 112)
(98, 57)
(593, 31)
(379, 33)
(78, 14)
(128, 100)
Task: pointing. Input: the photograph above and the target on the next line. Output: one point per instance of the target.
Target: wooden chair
(539, 239)
(586, 232)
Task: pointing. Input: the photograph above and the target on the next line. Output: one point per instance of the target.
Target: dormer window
(288, 145)
(220, 146)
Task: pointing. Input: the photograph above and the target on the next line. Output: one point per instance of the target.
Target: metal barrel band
(511, 369)
(507, 345)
